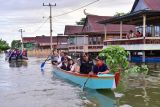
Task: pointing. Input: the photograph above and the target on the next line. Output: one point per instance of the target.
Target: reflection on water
(142, 92)
(18, 63)
(101, 98)
(134, 91)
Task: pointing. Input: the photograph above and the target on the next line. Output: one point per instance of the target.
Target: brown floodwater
(23, 84)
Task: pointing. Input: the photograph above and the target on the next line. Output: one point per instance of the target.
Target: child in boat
(100, 67)
(65, 64)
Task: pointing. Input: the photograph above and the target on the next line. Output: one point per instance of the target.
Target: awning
(136, 18)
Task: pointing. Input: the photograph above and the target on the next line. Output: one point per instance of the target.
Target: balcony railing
(85, 48)
(132, 41)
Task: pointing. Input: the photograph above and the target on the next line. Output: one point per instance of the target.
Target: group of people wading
(83, 65)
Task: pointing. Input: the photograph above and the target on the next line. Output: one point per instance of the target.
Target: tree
(3, 45)
(81, 22)
(16, 44)
(116, 58)
(119, 14)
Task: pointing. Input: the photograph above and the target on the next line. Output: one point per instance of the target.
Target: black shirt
(86, 66)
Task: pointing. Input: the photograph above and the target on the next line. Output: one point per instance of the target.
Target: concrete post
(121, 28)
(143, 56)
(105, 32)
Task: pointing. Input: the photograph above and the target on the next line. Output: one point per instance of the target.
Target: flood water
(23, 84)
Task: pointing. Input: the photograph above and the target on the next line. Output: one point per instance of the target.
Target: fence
(39, 52)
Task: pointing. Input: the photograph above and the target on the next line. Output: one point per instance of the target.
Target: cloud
(28, 14)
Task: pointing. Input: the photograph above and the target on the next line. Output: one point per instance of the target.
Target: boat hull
(18, 59)
(106, 81)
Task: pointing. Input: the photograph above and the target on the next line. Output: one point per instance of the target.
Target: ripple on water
(27, 87)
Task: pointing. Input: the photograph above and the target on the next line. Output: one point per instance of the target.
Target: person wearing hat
(100, 67)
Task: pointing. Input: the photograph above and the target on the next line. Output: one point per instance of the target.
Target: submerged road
(23, 84)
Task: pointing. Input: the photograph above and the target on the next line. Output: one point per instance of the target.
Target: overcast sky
(30, 15)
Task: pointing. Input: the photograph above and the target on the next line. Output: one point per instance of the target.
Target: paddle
(42, 65)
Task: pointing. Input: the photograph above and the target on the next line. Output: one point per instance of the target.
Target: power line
(77, 9)
(65, 14)
(40, 26)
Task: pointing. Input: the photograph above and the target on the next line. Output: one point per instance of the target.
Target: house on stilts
(144, 45)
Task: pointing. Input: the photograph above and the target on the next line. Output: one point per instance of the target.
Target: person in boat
(54, 57)
(17, 53)
(100, 67)
(61, 57)
(65, 64)
(24, 52)
(72, 65)
(85, 64)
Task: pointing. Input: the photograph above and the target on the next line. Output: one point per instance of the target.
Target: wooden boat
(102, 81)
(18, 59)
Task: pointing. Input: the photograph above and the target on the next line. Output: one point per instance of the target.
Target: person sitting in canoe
(54, 57)
(85, 64)
(72, 65)
(100, 67)
(65, 64)
(62, 55)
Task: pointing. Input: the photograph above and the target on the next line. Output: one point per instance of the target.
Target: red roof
(45, 39)
(91, 25)
(153, 4)
(28, 39)
(72, 29)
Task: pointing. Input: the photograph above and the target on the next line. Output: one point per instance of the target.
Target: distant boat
(19, 58)
(103, 81)
(23, 58)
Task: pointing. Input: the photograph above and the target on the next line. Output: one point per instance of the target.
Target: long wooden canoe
(103, 81)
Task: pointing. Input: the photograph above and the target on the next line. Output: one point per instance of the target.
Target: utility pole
(50, 6)
(21, 31)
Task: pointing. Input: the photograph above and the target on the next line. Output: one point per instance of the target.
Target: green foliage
(116, 58)
(3, 45)
(16, 44)
(81, 22)
(119, 14)
(143, 69)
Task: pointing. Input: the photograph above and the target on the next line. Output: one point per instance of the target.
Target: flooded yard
(23, 84)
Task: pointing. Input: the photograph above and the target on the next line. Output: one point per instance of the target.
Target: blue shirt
(97, 69)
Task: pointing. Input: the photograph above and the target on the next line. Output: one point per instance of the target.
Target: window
(157, 30)
(99, 40)
(94, 40)
(90, 41)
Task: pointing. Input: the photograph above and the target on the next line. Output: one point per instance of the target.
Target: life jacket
(64, 67)
(86, 67)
